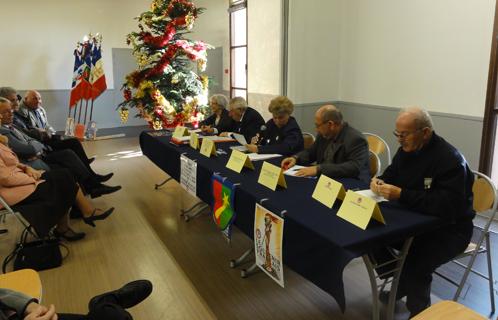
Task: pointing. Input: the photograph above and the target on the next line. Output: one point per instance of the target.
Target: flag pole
(91, 110)
(76, 108)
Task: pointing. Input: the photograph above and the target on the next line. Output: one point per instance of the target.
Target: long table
(317, 244)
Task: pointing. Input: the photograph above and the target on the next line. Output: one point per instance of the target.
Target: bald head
(329, 112)
(419, 116)
(32, 99)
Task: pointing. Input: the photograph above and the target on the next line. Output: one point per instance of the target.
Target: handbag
(38, 255)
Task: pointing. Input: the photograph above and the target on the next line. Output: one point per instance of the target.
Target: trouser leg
(68, 159)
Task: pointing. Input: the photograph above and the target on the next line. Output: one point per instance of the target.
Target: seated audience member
(248, 121)
(29, 150)
(31, 118)
(281, 134)
(219, 121)
(430, 176)
(107, 306)
(44, 197)
(339, 151)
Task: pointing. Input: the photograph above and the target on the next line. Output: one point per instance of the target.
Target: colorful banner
(268, 236)
(223, 207)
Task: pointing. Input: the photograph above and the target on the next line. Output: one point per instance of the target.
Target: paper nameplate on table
(238, 160)
(271, 176)
(208, 148)
(327, 190)
(358, 210)
(194, 140)
(180, 132)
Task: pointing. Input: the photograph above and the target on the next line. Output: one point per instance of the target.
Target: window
(238, 48)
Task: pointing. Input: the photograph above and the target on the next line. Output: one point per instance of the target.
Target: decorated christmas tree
(165, 89)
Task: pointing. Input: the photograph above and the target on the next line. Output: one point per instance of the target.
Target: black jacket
(435, 180)
(286, 140)
(225, 124)
(346, 156)
(250, 125)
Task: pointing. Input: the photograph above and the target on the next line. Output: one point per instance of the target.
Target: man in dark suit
(339, 151)
(248, 121)
(220, 120)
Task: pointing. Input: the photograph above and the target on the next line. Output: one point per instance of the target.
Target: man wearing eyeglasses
(430, 176)
(339, 151)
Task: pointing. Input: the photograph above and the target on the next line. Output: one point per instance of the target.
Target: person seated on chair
(44, 197)
(31, 118)
(219, 121)
(30, 150)
(430, 176)
(340, 151)
(281, 134)
(248, 121)
(107, 306)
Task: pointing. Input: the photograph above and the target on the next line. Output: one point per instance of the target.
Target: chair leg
(490, 274)
(466, 274)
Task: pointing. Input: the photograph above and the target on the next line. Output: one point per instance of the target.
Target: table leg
(159, 185)
(244, 273)
(193, 211)
(242, 259)
(399, 258)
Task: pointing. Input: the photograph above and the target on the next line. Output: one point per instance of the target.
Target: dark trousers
(105, 311)
(69, 143)
(69, 160)
(427, 252)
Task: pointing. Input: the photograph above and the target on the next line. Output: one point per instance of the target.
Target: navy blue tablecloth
(317, 243)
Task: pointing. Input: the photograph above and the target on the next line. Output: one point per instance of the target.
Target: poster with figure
(268, 236)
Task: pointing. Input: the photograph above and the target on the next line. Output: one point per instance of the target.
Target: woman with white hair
(219, 121)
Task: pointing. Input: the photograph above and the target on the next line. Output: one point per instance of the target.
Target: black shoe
(69, 235)
(90, 160)
(103, 189)
(90, 220)
(103, 178)
(75, 213)
(128, 296)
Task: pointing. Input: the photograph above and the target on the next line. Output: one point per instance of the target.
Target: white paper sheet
(218, 138)
(292, 171)
(369, 193)
(257, 156)
(240, 138)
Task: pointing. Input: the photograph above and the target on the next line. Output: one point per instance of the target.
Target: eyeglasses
(405, 134)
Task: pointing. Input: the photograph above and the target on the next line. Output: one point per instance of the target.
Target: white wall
(314, 50)
(431, 53)
(392, 52)
(265, 53)
(39, 38)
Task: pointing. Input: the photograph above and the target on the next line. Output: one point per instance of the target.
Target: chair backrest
(309, 139)
(26, 281)
(448, 310)
(378, 145)
(374, 162)
(485, 197)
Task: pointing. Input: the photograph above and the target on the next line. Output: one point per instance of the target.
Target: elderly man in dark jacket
(339, 151)
(430, 176)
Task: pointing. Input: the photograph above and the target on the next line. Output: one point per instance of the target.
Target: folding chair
(8, 210)
(309, 139)
(374, 162)
(378, 145)
(26, 281)
(448, 310)
(485, 203)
